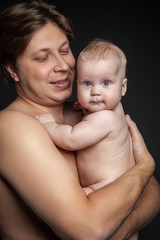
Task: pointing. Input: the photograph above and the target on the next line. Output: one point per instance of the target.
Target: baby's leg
(88, 190)
(95, 186)
(133, 237)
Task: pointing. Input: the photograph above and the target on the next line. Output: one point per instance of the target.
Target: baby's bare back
(102, 163)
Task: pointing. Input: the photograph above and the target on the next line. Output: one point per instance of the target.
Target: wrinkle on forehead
(49, 36)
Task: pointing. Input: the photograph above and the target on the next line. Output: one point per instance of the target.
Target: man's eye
(65, 51)
(87, 83)
(106, 83)
(41, 59)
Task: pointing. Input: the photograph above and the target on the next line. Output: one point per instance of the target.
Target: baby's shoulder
(103, 115)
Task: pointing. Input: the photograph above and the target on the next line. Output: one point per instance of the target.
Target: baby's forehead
(96, 57)
(102, 66)
(109, 59)
(109, 68)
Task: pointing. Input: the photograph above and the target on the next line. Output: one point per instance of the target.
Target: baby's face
(100, 85)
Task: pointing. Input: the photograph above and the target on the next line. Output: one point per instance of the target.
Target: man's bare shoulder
(13, 118)
(11, 112)
(18, 126)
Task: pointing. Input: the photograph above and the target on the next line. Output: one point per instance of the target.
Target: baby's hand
(45, 118)
(77, 106)
(48, 121)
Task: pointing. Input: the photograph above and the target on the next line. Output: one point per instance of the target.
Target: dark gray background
(135, 29)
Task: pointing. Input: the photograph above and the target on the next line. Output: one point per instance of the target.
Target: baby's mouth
(96, 102)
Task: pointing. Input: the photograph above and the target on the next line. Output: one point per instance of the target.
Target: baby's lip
(96, 100)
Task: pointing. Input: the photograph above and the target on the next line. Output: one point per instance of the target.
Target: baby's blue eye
(87, 83)
(106, 83)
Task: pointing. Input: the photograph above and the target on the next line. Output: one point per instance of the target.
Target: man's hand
(140, 150)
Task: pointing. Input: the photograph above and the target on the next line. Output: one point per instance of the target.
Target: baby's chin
(95, 107)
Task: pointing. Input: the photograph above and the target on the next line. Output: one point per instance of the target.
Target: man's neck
(32, 108)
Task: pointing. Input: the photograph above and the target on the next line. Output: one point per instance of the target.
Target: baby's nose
(95, 91)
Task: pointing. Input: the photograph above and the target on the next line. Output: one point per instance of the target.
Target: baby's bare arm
(86, 133)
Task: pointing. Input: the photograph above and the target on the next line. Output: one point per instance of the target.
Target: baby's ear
(12, 73)
(124, 86)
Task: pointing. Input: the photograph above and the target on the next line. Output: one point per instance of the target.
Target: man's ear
(12, 72)
(124, 86)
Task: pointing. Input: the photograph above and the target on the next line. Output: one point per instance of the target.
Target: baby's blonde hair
(100, 49)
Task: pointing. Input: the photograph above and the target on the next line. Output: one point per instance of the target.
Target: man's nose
(60, 64)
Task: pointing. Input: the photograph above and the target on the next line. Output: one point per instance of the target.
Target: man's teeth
(59, 82)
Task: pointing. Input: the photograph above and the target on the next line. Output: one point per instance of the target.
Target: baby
(101, 139)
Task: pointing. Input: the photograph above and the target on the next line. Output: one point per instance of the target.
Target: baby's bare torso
(102, 163)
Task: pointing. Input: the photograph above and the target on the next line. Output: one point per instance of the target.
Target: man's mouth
(59, 82)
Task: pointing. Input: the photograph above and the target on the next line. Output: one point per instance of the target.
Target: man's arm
(148, 205)
(147, 208)
(84, 134)
(43, 179)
